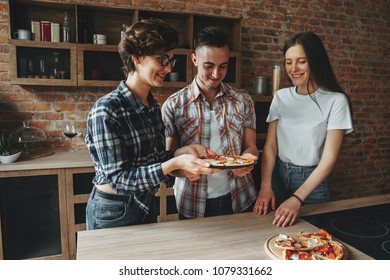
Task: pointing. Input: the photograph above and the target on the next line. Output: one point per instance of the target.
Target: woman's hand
(263, 201)
(287, 212)
(189, 163)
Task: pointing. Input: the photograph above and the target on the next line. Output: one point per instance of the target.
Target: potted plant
(8, 152)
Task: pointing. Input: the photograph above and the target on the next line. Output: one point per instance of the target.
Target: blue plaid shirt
(126, 142)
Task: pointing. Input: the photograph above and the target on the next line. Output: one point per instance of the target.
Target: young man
(220, 117)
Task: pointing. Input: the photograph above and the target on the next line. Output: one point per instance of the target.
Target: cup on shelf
(174, 76)
(262, 85)
(22, 34)
(99, 39)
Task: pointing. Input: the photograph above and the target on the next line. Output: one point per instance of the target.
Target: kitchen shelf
(98, 65)
(83, 58)
(31, 52)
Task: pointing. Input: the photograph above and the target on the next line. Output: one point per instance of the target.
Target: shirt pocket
(235, 124)
(188, 130)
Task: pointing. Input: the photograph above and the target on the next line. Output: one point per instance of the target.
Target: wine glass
(70, 132)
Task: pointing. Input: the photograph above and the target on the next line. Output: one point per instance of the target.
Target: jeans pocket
(107, 215)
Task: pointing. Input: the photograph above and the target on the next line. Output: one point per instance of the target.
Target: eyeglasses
(165, 60)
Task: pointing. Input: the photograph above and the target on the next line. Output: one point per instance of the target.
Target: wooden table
(239, 236)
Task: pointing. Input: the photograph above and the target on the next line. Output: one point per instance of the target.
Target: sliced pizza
(309, 246)
(297, 255)
(227, 161)
(288, 242)
(331, 251)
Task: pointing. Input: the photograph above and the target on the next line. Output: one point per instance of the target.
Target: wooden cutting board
(277, 253)
(36, 154)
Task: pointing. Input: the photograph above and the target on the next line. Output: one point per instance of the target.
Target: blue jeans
(102, 212)
(287, 178)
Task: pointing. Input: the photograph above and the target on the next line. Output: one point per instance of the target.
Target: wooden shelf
(27, 52)
(261, 98)
(103, 60)
(98, 65)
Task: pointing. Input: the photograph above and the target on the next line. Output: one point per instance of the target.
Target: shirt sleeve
(340, 115)
(250, 113)
(168, 116)
(273, 110)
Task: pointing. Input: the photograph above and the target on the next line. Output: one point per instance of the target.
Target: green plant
(6, 146)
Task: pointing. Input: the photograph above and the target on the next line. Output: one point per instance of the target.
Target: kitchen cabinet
(78, 187)
(42, 205)
(86, 64)
(33, 215)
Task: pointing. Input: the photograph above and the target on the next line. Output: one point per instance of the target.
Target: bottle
(56, 66)
(65, 29)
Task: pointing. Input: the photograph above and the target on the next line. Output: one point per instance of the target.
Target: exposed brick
(355, 33)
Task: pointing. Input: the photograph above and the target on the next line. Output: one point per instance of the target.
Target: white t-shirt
(303, 124)
(217, 183)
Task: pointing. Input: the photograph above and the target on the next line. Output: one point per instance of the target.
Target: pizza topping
(313, 242)
(309, 246)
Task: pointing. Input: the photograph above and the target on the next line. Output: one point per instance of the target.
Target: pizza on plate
(227, 161)
(309, 246)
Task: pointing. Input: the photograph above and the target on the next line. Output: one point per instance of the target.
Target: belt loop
(93, 191)
(131, 199)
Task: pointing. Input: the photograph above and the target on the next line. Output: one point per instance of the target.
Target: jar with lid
(27, 135)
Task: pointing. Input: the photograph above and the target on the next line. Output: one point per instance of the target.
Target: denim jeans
(106, 213)
(287, 178)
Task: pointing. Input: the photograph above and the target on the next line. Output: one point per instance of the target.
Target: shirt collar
(195, 91)
(134, 101)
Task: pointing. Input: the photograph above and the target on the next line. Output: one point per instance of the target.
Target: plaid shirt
(126, 142)
(186, 115)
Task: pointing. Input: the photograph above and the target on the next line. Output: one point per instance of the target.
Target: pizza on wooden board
(309, 246)
(227, 161)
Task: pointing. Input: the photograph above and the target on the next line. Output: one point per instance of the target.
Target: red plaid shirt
(186, 115)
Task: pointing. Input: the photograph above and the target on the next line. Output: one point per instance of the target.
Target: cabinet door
(33, 216)
(78, 187)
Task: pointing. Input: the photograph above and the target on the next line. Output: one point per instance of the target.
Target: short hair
(212, 36)
(146, 37)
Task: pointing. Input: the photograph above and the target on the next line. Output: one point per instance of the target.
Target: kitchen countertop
(238, 236)
(62, 158)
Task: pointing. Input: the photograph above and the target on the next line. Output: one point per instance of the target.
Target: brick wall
(356, 35)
